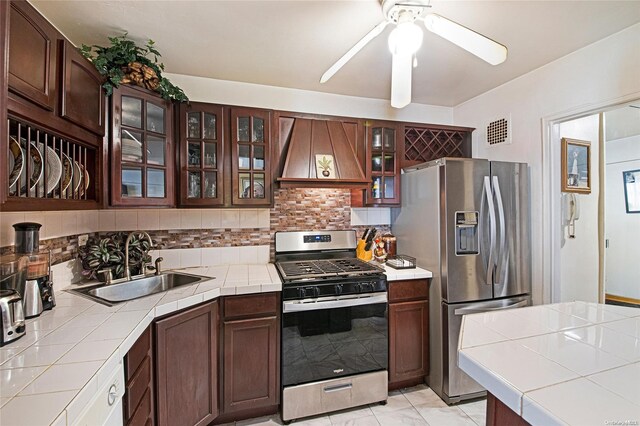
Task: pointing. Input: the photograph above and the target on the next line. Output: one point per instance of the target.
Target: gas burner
(325, 268)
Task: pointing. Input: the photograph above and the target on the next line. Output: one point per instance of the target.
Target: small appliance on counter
(12, 277)
(37, 295)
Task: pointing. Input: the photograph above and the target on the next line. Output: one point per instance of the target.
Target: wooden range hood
(304, 138)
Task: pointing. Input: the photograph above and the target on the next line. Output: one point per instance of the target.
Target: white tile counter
(50, 374)
(572, 363)
(406, 274)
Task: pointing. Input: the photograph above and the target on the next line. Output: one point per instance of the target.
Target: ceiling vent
(499, 131)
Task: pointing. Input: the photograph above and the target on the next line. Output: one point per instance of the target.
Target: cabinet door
(250, 364)
(186, 367)
(383, 164)
(142, 149)
(82, 93)
(32, 55)
(201, 145)
(408, 341)
(250, 157)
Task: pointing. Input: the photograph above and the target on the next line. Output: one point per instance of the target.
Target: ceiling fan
(406, 39)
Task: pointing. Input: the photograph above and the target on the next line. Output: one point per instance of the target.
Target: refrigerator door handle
(503, 253)
(472, 310)
(492, 229)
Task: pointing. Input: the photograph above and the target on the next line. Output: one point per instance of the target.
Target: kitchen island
(572, 363)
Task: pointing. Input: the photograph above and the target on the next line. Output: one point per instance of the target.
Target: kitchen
(211, 237)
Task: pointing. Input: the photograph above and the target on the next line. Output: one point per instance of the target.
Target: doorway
(594, 237)
(622, 205)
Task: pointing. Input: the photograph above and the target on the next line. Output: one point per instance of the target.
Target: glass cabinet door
(142, 149)
(250, 145)
(201, 154)
(383, 164)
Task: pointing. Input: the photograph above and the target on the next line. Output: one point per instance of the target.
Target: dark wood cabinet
(138, 400)
(499, 414)
(201, 154)
(427, 142)
(382, 164)
(32, 55)
(142, 149)
(82, 95)
(186, 366)
(408, 333)
(250, 145)
(251, 357)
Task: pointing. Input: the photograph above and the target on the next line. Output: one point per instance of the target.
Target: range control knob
(316, 291)
(357, 287)
(338, 289)
(301, 293)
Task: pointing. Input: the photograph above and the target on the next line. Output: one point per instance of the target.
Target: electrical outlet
(82, 240)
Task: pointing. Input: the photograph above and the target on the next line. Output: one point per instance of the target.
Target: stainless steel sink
(136, 288)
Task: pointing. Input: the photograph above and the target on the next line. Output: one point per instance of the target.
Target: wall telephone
(570, 213)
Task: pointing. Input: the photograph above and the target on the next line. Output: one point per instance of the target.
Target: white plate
(54, 170)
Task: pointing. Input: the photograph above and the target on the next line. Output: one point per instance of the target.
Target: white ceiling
(291, 43)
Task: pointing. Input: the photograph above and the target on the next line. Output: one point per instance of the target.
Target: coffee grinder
(38, 294)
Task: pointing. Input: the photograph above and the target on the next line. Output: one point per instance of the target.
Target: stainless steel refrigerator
(467, 221)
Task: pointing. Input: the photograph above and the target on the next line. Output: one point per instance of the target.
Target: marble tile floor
(417, 406)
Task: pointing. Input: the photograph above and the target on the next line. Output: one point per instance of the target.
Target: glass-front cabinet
(201, 154)
(250, 156)
(383, 169)
(142, 149)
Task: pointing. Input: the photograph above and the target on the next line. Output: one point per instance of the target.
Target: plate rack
(49, 167)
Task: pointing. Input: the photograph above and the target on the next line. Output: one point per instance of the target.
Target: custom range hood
(321, 153)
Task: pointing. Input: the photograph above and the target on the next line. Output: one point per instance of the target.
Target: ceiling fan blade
(401, 79)
(355, 49)
(471, 41)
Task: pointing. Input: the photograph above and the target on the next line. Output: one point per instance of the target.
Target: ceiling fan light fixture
(406, 38)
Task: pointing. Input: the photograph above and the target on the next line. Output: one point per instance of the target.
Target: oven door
(332, 337)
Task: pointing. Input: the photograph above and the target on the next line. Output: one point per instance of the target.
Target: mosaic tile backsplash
(294, 210)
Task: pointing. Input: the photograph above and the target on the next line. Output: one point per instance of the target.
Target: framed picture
(576, 166)
(631, 181)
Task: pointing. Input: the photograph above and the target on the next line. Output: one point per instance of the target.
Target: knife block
(363, 254)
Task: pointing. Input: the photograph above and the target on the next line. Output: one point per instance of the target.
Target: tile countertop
(572, 363)
(70, 351)
(51, 373)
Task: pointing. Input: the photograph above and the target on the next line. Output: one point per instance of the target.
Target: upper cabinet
(201, 154)
(82, 95)
(250, 138)
(32, 55)
(142, 150)
(426, 142)
(383, 163)
(53, 112)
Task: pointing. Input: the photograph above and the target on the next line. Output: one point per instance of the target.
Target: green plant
(108, 253)
(114, 62)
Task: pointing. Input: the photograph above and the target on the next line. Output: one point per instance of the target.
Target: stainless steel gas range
(334, 324)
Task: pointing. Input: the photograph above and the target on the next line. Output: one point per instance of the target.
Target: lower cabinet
(186, 366)
(250, 365)
(408, 333)
(138, 399)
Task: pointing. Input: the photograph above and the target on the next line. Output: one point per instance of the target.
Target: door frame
(551, 211)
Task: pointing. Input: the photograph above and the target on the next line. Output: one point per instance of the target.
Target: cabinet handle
(336, 388)
(112, 395)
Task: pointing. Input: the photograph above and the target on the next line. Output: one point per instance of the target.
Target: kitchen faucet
(127, 271)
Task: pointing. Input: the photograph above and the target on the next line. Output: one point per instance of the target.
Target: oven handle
(335, 302)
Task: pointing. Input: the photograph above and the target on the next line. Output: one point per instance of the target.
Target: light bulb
(406, 38)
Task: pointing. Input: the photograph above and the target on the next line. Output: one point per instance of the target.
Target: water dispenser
(466, 233)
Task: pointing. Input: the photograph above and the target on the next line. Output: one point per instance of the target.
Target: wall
(191, 237)
(601, 73)
(621, 228)
(579, 256)
(202, 89)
